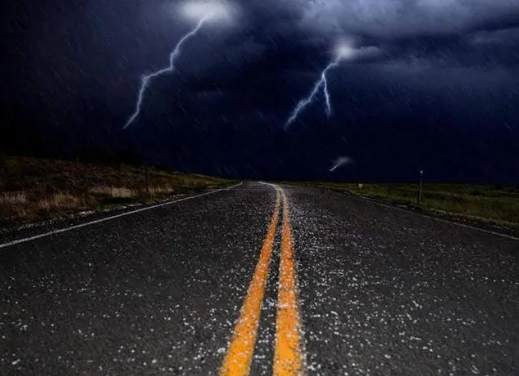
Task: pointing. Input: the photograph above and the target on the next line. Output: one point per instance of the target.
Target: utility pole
(420, 189)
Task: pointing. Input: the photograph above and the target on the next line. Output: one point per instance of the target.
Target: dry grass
(13, 198)
(29, 205)
(118, 192)
(33, 188)
(60, 201)
(13, 204)
(158, 190)
(115, 192)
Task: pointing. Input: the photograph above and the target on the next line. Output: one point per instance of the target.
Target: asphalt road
(261, 280)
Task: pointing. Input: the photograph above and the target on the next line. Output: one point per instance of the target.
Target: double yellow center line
(288, 360)
(287, 357)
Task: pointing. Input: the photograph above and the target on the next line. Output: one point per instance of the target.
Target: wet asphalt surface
(382, 291)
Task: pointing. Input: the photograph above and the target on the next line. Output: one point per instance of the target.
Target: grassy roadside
(487, 205)
(34, 189)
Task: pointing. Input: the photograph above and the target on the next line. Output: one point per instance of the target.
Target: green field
(32, 189)
(490, 204)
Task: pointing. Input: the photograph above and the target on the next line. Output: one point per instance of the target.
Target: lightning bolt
(341, 161)
(322, 83)
(335, 167)
(146, 79)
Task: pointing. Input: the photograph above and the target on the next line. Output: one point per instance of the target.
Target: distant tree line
(98, 155)
(101, 155)
(25, 133)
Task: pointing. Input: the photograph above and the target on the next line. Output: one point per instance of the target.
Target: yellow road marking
(239, 354)
(288, 360)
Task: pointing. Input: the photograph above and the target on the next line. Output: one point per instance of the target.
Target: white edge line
(436, 218)
(24, 240)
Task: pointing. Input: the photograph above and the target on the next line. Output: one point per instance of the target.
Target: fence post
(420, 189)
(147, 180)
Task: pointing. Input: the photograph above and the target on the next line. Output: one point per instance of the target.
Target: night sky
(438, 90)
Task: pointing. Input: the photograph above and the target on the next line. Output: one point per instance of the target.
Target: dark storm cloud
(392, 19)
(445, 72)
(422, 57)
(301, 35)
(428, 95)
